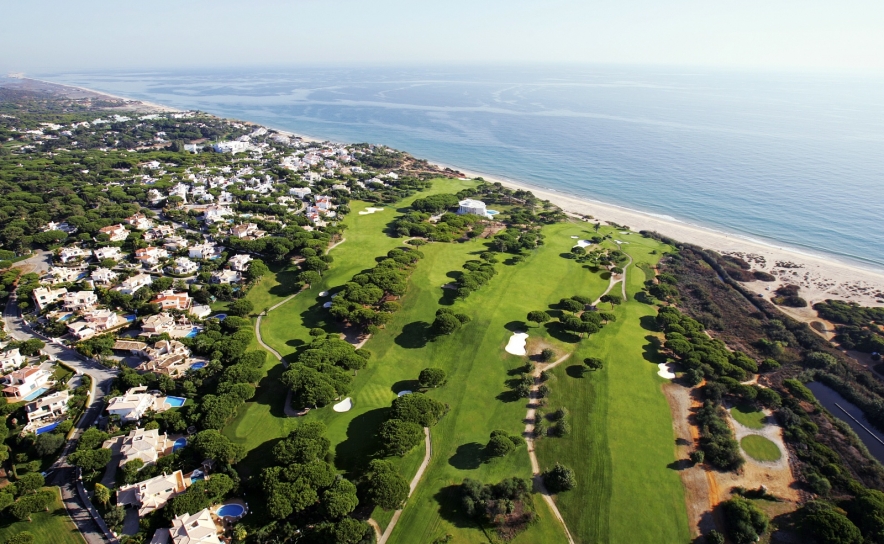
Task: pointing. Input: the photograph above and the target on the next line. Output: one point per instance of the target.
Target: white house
(175, 243)
(108, 253)
(139, 221)
(246, 230)
(157, 324)
(44, 297)
(226, 276)
(198, 528)
(116, 233)
(130, 285)
(11, 359)
(170, 300)
(240, 263)
(152, 494)
(216, 213)
(134, 403)
(150, 256)
(49, 407)
(78, 301)
(160, 231)
(94, 322)
(104, 276)
(204, 251)
(145, 445)
(154, 197)
(300, 192)
(470, 206)
(63, 274)
(26, 381)
(68, 254)
(183, 265)
(231, 147)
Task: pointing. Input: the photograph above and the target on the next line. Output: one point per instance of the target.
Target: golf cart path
(428, 452)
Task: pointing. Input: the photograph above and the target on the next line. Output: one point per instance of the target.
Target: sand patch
(323, 293)
(327, 305)
(369, 211)
(575, 237)
(583, 243)
(665, 371)
(516, 344)
(403, 393)
(344, 405)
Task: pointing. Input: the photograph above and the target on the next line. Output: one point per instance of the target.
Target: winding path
(428, 452)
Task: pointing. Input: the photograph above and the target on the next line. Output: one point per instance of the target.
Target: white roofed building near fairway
(470, 206)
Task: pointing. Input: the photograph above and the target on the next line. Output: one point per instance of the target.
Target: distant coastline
(819, 276)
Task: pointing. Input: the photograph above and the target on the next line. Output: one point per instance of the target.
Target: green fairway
(52, 527)
(622, 443)
(624, 416)
(749, 416)
(760, 448)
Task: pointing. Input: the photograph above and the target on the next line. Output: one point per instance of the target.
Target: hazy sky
(69, 35)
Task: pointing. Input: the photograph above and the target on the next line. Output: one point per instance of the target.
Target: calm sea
(793, 160)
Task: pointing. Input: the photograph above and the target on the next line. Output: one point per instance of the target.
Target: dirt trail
(529, 439)
(428, 452)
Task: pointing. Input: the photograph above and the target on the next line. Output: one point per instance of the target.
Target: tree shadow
(362, 442)
(257, 459)
(516, 326)
(680, 464)
(651, 350)
(451, 507)
(454, 274)
(645, 298)
(606, 275)
(449, 296)
(682, 442)
(468, 456)
(575, 371)
(557, 331)
(508, 396)
(648, 323)
(405, 385)
(295, 343)
(414, 335)
(524, 369)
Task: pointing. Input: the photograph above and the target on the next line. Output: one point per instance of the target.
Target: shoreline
(820, 277)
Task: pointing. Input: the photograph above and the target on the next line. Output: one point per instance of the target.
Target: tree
(431, 377)
(593, 363)
(211, 444)
(400, 437)
(745, 521)
(446, 324)
(102, 494)
(538, 316)
(240, 307)
(339, 499)
(309, 277)
(48, 443)
(114, 517)
(130, 470)
(90, 460)
(24, 537)
(547, 355)
(419, 409)
(559, 478)
(385, 486)
(499, 446)
(611, 299)
(30, 483)
(826, 526)
(608, 317)
(571, 305)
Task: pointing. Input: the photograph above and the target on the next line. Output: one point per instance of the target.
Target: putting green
(749, 416)
(760, 448)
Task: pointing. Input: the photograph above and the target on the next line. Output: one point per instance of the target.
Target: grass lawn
(53, 527)
(749, 416)
(760, 448)
(622, 443)
(478, 369)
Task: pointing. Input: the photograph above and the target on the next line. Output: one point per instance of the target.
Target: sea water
(795, 160)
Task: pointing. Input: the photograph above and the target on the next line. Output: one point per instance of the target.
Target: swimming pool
(178, 444)
(197, 366)
(48, 428)
(193, 332)
(196, 476)
(231, 510)
(492, 212)
(220, 317)
(175, 402)
(36, 393)
(130, 318)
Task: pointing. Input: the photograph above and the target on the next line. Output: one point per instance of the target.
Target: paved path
(533, 397)
(428, 452)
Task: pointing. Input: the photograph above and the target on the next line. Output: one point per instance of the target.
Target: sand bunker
(368, 211)
(583, 243)
(403, 393)
(665, 371)
(344, 405)
(517, 342)
(323, 293)
(575, 237)
(327, 305)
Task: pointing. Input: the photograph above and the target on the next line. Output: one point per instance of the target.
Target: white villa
(226, 276)
(51, 406)
(475, 207)
(132, 405)
(152, 494)
(240, 263)
(145, 445)
(78, 301)
(103, 253)
(204, 251)
(44, 297)
(198, 528)
(104, 276)
(116, 233)
(139, 221)
(23, 382)
(130, 285)
(68, 254)
(11, 359)
(183, 265)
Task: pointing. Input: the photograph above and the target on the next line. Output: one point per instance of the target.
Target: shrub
(560, 478)
(745, 521)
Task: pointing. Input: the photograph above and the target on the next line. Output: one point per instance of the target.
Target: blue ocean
(795, 160)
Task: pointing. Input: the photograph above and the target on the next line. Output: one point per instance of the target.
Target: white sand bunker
(368, 211)
(583, 243)
(344, 405)
(575, 237)
(665, 371)
(517, 342)
(323, 293)
(327, 305)
(403, 393)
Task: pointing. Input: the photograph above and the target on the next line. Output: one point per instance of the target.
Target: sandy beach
(819, 278)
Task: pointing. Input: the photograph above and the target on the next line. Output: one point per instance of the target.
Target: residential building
(148, 446)
(134, 403)
(152, 494)
(175, 243)
(132, 346)
(139, 221)
(104, 276)
(225, 198)
(170, 300)
(200, 311)
(324, 204)
(62, 274)
(154, 197)
(240, 263)
(198, 528)
(130, 285)
(103, 253)
(71, 254)
(11, 359)
(204, 251)
(183, 265)
(116, 233)
(475, 207)
(231, 147)
(78, 301)
(49, 407)
(247, 231)
(167, 357)
(95, 322)
(25, 382)
(150, 256)
(44, 296)
(216, 213)
(160, 231)
(157, 324)
(226, 276)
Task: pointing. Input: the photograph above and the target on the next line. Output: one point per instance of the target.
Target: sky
(794, 35)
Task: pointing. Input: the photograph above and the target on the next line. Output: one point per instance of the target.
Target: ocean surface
(795, 160)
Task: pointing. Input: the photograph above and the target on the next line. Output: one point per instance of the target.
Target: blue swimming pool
(130, 318)
(178, 444)
(231, 510)
(48, 428)
(492, 212)
(197, 366)
(193, 332)
(175, 402)
(36, 393)
(220, 317)
(196, 476)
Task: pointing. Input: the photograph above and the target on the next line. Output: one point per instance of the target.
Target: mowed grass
(749, 416)
(52, 527)
(760, 448)
(622, 443)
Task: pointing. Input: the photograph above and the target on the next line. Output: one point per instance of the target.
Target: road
(62, 474)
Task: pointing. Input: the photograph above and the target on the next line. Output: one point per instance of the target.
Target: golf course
(621, 442)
